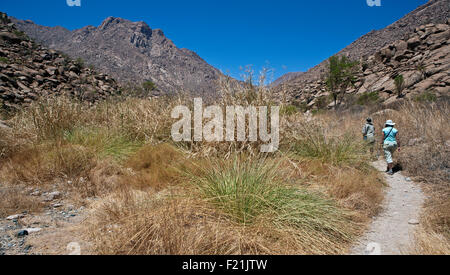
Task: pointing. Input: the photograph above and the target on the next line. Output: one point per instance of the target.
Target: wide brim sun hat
(390, 123)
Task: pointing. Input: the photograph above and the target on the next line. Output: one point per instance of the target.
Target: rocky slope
(285, 78)
(131, 52)
(434, 12)
(29, 71)
(423, 59)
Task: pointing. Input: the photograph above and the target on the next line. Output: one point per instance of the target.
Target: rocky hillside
(422, 60)
(29, 71)
(433, 12)
(285, 78)
(131, 52)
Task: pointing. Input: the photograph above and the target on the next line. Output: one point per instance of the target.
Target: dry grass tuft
(155, 167)
(426, 137)
(37, 165)
(314, 201)
(134, 222)
(361, 191)
(429, 242)
(13, 200)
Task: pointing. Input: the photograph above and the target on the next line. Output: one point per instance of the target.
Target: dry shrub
(429, 242)
(45, 163)
(155, 167)
(139, 119)
(49, 118)
(360, 190)
(329, 137)
(357, 190)
(6, 143)
(13, 200)
(101, 179)
(425, 132)
(55, 118)
(133, 222)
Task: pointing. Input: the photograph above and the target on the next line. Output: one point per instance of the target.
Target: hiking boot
(390, 172)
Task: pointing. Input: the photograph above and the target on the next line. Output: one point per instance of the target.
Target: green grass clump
(427, 96)
(248, 190)
(288, 110)
(368, 98)
(105, 144)
(4, 60)
(342, 150)
(149, 86)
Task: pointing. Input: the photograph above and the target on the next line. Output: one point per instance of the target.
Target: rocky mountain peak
(111, 22)
(132, 52)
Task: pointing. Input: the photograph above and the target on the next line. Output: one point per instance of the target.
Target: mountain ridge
(434, 11)
(131, 52)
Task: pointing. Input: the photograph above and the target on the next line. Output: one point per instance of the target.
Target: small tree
(399, 84)
(341, 75)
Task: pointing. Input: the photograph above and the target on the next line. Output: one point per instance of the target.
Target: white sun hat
(390, 123)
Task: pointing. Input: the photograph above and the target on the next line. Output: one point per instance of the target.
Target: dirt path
(392, 231)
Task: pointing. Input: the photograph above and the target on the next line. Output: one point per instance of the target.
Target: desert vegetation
(341, 75)
(426, 158)
(147, 194)
(150, 195)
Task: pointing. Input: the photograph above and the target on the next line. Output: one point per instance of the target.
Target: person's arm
(398, 141)
(382, 140)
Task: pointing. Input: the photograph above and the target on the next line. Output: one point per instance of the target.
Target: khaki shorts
(389, 148)
(370, 139)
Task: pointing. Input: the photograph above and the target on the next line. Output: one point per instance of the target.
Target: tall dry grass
(315, 202)
(426, 157)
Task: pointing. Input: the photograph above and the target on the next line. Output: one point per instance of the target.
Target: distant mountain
(435, 11)
(131, 52)
(285, 78)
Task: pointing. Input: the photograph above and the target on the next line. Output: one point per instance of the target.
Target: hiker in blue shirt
(390, 144)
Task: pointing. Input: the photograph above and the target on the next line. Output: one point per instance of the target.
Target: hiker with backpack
(368, 132)
(390, 144)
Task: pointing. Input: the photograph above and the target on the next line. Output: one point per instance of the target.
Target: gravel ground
(47, 233)
(392, 232)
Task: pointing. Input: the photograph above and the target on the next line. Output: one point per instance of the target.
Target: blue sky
(284, 35)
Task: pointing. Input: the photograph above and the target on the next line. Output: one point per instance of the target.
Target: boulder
(413, 42)
(10, 37)
(51, 70)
